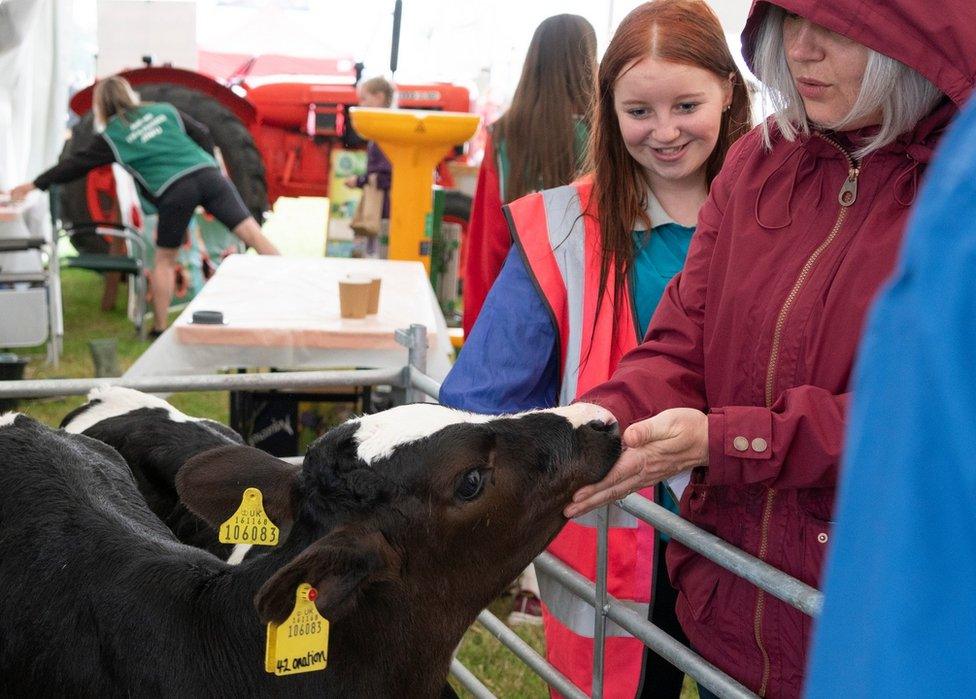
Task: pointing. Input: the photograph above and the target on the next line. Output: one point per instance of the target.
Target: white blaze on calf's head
(381, 433)
(580, 414)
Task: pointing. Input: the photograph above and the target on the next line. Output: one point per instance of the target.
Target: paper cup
(374, 295)
(354, 297)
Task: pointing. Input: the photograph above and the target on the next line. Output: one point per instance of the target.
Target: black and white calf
(408, 523)
(156, 439)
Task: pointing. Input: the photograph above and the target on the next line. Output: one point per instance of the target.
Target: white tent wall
(16, 20)
(462, 42)
(33, 107)
(33, 93)
(119, 50)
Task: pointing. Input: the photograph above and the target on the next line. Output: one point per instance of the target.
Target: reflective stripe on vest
(561, 248)
(567, 235)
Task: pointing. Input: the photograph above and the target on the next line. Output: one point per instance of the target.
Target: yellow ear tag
(250, 524)
(301, 643)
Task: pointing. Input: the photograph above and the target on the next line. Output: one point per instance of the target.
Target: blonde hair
(379, 86)
(901, 93)
(113, 96)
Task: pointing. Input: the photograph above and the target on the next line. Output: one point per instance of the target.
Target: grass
(84, 321)
(495, 665)
(297, 227)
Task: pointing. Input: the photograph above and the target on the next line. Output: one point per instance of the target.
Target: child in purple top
(377, 93)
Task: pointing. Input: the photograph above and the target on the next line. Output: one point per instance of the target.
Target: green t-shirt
(151, 143)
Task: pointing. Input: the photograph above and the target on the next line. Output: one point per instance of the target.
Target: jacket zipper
(845, 197)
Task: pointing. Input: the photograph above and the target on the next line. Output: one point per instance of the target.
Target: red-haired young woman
(589, 265)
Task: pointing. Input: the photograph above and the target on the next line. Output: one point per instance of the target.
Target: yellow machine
(414, 141)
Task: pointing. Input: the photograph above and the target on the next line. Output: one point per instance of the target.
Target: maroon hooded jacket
(760, 330)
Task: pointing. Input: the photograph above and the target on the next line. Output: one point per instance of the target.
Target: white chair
(131, 262)
(30, 289)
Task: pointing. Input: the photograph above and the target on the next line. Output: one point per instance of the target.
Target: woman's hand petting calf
(659, 447)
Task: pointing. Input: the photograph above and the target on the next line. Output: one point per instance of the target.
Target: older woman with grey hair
(743, 380)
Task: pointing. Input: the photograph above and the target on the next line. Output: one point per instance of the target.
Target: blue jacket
(900, 612)
(510, 361)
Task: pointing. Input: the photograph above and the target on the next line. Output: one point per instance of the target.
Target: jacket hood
(936, 39)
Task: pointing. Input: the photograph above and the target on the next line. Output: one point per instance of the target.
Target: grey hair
(902, 94)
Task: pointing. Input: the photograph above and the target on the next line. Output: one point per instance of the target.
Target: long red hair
(681, 31)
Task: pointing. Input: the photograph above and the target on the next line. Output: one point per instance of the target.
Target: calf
(407, 522)
(155, 439)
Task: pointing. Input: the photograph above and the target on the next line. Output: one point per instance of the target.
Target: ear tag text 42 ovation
(301, 642)
(250, 524)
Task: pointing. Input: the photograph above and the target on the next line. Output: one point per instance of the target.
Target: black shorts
(207, 188)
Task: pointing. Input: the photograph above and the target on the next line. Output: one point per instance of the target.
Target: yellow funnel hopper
(415, 141)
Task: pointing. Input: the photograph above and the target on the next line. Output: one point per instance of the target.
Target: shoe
(154, 334)
(526, 609)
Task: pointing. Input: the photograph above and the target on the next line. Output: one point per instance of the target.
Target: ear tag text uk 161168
(301, 642)
(250, 524)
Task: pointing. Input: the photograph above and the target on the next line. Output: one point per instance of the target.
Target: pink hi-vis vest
(561, 249)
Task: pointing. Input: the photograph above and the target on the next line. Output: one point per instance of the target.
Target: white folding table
(283, 313)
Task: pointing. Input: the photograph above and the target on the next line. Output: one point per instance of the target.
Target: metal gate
(410, 384)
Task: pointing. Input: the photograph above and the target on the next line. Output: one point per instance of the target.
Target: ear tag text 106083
(301, 642)
(250, 524)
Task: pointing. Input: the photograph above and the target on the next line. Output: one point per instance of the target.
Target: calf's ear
(212, 484)
(340, 566)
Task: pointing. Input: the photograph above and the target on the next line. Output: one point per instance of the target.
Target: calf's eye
(470, 485)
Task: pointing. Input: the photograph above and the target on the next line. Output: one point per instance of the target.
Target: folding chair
(130, 262)
(120, 220)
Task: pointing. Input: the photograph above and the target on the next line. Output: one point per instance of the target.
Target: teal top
(151, 143)
(659, 254)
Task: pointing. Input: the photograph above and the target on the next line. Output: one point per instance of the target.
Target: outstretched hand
(659, 447)
(21, 191)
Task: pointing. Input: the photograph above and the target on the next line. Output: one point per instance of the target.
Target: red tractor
(276, 138)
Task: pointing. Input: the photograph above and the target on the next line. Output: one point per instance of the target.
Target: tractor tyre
(241, 156)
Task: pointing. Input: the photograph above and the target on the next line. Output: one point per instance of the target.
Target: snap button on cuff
(740, 443)
(759, 444)
(822, 538)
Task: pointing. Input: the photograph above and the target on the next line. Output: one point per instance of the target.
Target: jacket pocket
(695, 578)
(697, 592)
(702, 507)
(817, 503)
